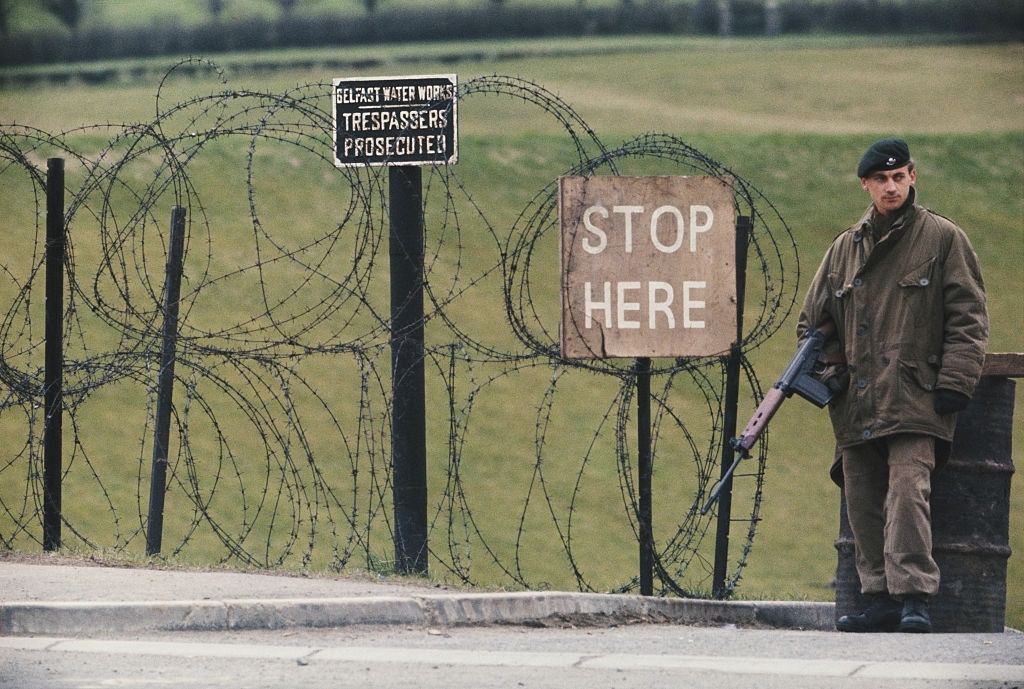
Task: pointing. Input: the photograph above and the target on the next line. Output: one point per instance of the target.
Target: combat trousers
(888, 488)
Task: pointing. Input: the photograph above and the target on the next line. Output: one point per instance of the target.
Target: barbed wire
(281, 421)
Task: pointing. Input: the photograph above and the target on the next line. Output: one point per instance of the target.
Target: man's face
(889, 188)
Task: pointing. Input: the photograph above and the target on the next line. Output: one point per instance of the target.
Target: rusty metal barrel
(970, 506)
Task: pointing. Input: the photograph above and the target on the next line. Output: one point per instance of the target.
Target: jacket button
(923, 282)
(857, 282)
(862, 383)
(866, 434)
(862, 329)
(933, 359)
(928, 386)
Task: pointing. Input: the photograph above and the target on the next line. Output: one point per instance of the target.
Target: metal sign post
(732, 393)
(165, 391)
(408, 399)
(402, 123)
(645, 471)
(53, 375)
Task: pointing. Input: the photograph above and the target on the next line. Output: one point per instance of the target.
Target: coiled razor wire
(281, 423)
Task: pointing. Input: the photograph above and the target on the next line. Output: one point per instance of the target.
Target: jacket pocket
(920, 276)
(914, 289)
(917, 390)
(922, 374)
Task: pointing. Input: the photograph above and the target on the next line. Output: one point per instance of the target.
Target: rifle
(799, 378)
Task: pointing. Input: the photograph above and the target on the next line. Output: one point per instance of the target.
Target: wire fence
(280, 435)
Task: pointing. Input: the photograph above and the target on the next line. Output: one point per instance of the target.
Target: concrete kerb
(479, 609)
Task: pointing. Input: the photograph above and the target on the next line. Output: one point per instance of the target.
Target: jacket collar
(863, 227)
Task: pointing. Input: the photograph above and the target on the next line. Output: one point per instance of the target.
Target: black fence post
(408, 410)
(53, 376)
(645, 471)
(733, 371)
(168, 355)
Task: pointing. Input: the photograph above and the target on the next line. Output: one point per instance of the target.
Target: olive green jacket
(910, 317)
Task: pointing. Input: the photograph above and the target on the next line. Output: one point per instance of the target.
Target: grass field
(791, 117)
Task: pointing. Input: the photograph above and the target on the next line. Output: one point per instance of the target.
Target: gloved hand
(949, 401)
(836, 378)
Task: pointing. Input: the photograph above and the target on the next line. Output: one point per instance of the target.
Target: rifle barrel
(713, 495)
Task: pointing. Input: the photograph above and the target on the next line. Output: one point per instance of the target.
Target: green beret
(887, 154)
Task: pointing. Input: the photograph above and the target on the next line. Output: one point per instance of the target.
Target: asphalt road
(644, 655)
(64, 624)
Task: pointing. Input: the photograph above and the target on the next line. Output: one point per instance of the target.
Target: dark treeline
(990, 19)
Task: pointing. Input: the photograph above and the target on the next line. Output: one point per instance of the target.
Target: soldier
(905, 293)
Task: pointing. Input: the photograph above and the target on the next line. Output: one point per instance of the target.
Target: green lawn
(791, 117)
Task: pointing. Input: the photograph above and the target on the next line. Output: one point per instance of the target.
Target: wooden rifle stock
(773, 399)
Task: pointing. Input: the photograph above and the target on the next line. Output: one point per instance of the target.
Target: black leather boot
(914, 617)
(882, 614)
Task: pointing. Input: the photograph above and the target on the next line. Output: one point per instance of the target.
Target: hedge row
(987, 18)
